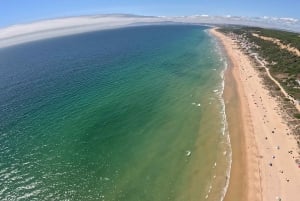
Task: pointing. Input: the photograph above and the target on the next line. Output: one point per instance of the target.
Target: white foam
(224, 130)
(188, 153)
(197, 104)
(225, 127)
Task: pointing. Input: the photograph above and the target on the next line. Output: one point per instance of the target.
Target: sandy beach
(264, 150)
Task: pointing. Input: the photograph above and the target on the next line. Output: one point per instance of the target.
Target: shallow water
(111, 115)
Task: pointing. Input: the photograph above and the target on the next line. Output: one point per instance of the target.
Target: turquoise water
(111, 115)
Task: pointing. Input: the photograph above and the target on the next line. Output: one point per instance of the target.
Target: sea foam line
(224, 129)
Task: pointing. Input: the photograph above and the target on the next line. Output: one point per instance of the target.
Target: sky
(23, 11)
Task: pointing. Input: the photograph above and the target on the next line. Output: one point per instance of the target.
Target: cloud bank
(22, 33)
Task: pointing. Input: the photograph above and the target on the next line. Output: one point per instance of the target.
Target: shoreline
(236, 189)
(260, 170)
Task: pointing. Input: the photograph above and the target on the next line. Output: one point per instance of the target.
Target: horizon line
(68, 25)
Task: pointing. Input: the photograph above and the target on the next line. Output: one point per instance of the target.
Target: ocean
(130, 114)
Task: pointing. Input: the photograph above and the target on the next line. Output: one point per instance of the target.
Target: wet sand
(264, 152)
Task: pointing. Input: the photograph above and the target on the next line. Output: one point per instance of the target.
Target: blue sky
(22, 11)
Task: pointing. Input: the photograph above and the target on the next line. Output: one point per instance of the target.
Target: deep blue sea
(131, 114)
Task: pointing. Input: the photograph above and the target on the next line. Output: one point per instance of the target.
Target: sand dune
(288, 47)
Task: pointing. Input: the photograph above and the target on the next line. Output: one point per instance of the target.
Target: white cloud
(66, 26)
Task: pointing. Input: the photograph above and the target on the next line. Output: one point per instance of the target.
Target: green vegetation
(297, 115)
(283, 64)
